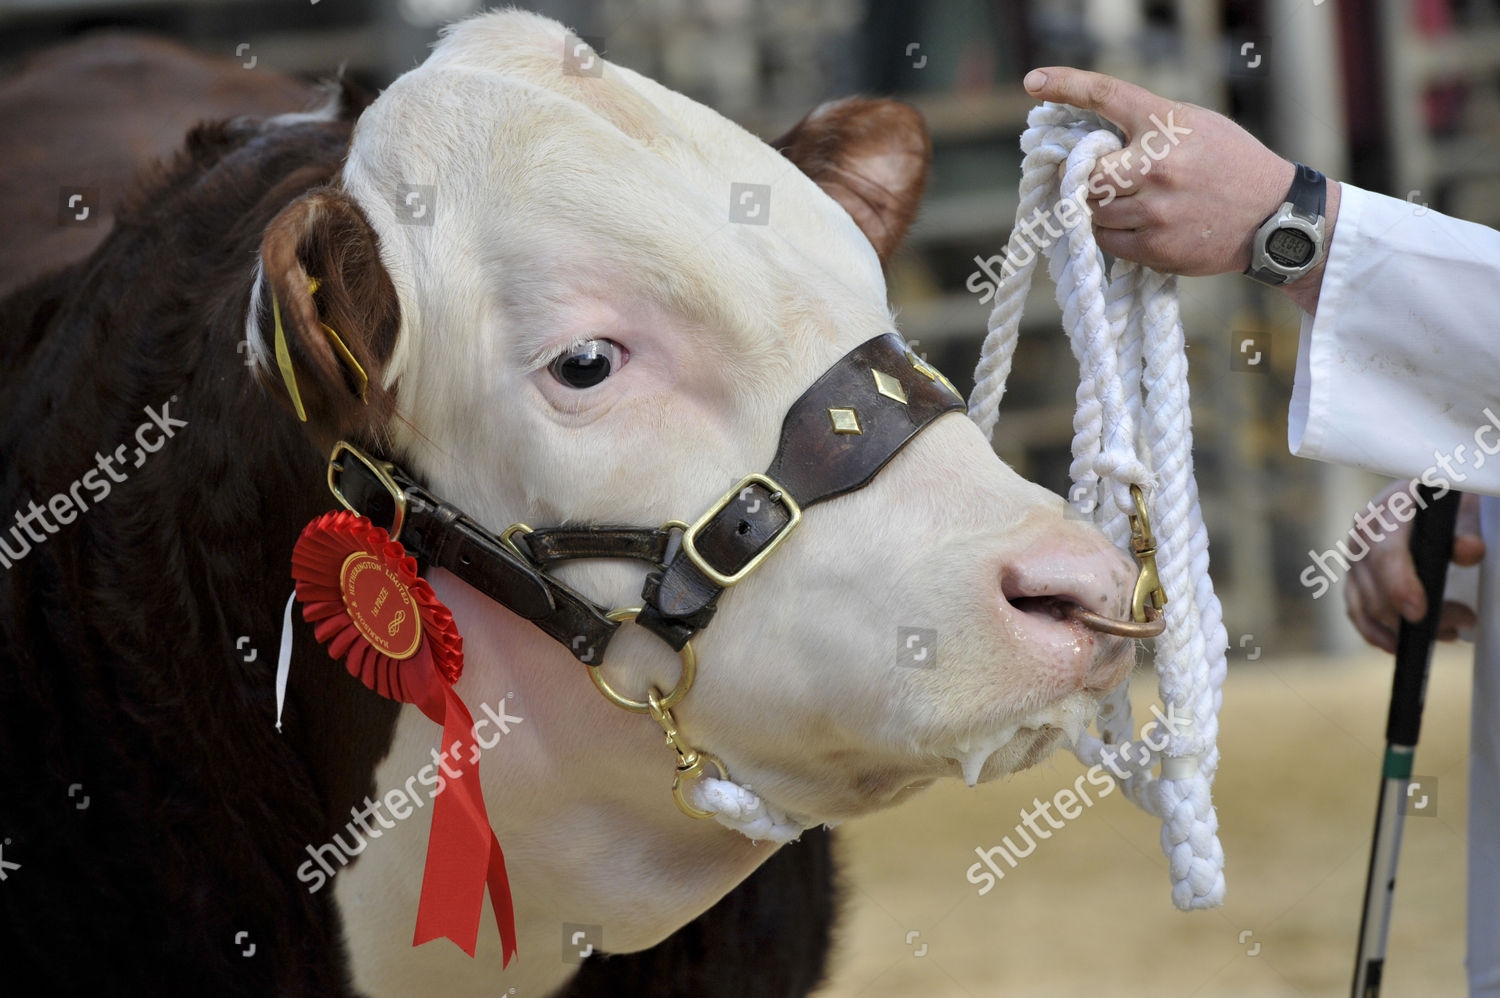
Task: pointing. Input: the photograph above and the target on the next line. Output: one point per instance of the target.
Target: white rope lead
(1132, 426)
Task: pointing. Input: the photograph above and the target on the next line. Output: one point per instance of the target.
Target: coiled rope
(1132, 426)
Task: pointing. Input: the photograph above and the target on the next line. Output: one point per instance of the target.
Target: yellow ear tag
(342, 349)
(284, 360)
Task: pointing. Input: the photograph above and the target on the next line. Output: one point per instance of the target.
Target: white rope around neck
(1132, 426)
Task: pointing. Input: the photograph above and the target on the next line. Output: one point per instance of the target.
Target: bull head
(587, 299)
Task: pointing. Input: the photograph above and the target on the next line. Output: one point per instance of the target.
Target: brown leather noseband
(836, 437)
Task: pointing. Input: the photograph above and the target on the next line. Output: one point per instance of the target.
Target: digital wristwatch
(1290, 242)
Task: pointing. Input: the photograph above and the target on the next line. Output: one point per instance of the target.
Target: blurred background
(1397, 96)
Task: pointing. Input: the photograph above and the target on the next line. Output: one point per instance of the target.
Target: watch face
(1289, 247)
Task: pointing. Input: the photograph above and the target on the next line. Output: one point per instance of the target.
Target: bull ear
(872, 157)
(324, 285)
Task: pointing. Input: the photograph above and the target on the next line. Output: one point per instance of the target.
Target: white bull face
(588, 336)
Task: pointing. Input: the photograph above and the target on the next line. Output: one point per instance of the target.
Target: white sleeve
(1399, 371)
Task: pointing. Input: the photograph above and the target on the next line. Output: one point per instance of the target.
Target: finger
(1381, 637)
(1396, 576)
(1125, 104)
(1468, 550)
(1123, 243)
(1375, 599)
(1458, 616)
(1123, 213)
(1118, 175)
(1354, 607)
(1468, 542)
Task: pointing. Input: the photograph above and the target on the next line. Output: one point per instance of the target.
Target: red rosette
(398, 664)
(361, 592)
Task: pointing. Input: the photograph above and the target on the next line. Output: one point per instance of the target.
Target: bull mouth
(1011, 750)
(1042, 746)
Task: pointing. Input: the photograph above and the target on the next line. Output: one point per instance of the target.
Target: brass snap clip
(690, 761)
(1148, 594)
(1148, 599)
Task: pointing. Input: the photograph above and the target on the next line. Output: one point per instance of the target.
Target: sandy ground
(1089, 912)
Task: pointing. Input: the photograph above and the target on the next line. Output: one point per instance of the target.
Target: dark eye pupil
(584, 370)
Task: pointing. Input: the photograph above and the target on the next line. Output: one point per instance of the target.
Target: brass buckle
(778, 494)
(382, 472)
(508, 538)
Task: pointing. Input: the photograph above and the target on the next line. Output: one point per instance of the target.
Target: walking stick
(1431, 550)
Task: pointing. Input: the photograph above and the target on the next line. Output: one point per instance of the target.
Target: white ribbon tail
(284, 657)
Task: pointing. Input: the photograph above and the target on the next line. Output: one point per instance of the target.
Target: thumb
(1124, 104)
(1468, 544)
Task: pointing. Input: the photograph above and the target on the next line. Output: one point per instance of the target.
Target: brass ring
(1153, 625)
(689, 672)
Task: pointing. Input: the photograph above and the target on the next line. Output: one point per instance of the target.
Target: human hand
(1383, 587)
(1187, 192)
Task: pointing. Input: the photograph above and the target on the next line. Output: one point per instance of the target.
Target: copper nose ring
(1153, 625)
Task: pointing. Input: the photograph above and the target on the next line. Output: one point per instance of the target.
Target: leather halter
(835, 438)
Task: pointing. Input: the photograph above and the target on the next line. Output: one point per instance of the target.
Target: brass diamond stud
(929, 372)
(844, 420)
(889, 386)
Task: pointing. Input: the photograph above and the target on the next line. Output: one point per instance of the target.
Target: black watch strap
(1309, 192)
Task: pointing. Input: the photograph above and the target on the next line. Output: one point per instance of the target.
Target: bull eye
(588, 363)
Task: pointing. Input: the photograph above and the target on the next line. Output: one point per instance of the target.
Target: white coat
(1399, 373)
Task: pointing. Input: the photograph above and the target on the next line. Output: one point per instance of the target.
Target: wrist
(1304, 291)
(1267, 195)
(1291, 241)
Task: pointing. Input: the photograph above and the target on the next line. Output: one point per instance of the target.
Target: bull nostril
(1034, 597)
(1051, 606)
(1047, 598)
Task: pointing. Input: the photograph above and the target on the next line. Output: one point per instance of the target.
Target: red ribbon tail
(500, 902)
(463, 855)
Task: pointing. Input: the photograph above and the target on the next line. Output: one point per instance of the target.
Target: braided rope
(737, 807)
(1132, 426)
